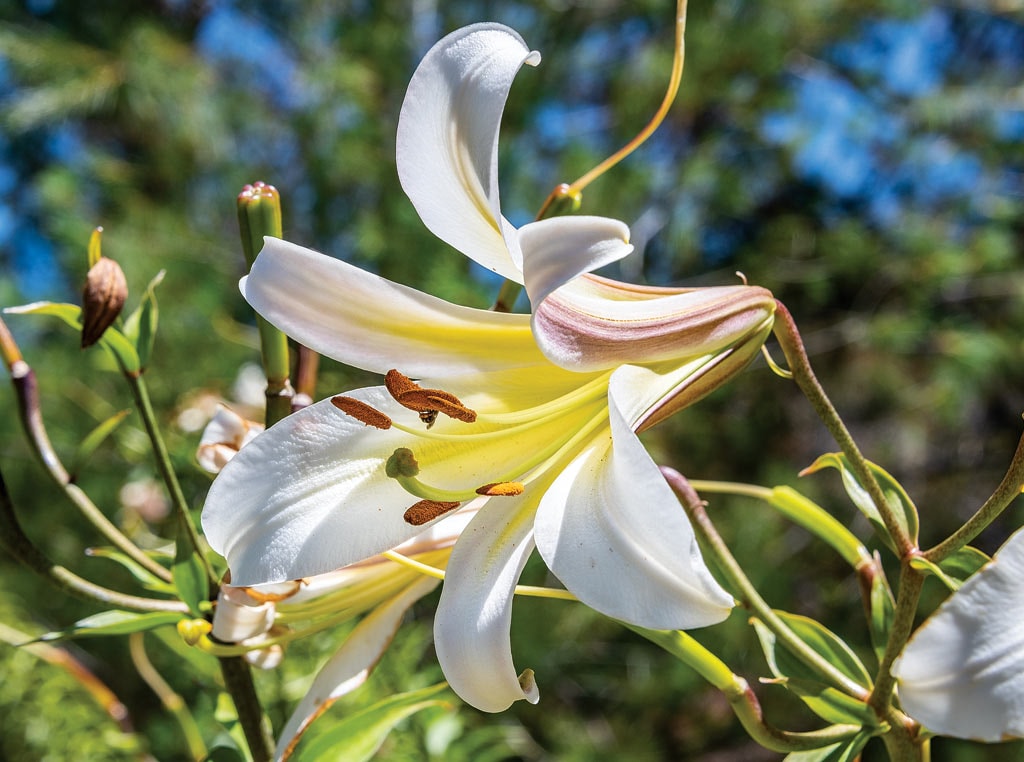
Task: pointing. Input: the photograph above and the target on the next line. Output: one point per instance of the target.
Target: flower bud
(105, 292)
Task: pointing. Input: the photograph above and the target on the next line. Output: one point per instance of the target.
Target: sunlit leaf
(114, 622)
(899, 502)
(140, 326)
(189, 576)
(827, 702)
(357, 736)
(113, 340)
(844, 751)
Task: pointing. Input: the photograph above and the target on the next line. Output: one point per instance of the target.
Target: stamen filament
(432, 571)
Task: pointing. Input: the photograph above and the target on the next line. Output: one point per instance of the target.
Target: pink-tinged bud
(102, 299)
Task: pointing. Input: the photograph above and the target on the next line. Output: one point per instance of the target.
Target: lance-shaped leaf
(828, 703)
(114, 622)
(953, 570)
(844, 751)
(140, 326)
(113, 340)
(357, 738)
(899, 502)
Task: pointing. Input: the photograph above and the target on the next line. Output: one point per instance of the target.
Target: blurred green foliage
(147, 119)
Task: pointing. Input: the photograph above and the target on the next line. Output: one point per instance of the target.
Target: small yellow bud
(193, 630)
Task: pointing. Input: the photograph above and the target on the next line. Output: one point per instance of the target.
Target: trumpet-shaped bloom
(535, 413)
(962, 674)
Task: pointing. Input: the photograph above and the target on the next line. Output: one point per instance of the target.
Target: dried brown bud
(102, 300)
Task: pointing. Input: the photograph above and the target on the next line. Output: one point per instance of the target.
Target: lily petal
(962, 674)
(610, 528)
(308, 496)
(448, 141)
(559, 249)
(351, 664)
(471, 627)
(593, 323)
(369, 322)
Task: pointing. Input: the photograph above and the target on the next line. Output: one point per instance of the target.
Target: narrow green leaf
(956, 569)
(882, 611)
(844, 751)
(146, 578)
(899, 502)
(358, 736)
(828, 703)
(140, 326)
(113, 340)
(114, 622)
(95, 438)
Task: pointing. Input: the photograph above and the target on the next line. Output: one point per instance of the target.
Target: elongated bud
(259, 214)
(105, 292)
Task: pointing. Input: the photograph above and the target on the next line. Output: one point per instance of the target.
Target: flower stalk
(736, 577)
(21, 547)
(23, 379)
(575, 188)
(740, 696)
(799, 365)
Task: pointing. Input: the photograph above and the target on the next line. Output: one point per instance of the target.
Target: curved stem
(792, 345)
(670, 94)
(751, 598)
(186, 529)
(740, 696)
(1007, 491)
(20, 546)
(23, 378)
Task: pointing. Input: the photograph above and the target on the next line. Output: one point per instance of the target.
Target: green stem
(186, 529)
(736, 577)
(907, 598)
(239, 684)
(1007, 491)
(21, 547)
(23, 379)
(799, 364)
(741, 698)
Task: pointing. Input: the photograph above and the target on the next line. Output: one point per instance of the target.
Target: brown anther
(501, 489)
(427, 510)
(436, 400)
(398, 383)
(361, 412)
(427, 402)
(281, 592)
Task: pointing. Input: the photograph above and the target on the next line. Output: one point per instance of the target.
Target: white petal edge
(471, 626)
(369, 322)
(560, 249)
(351, 664)
(613, 532)
(448, 141)
(962, 674)
(308, 496)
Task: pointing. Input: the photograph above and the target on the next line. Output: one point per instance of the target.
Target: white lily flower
(537, 413)
(962, 674)
(224, 435)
